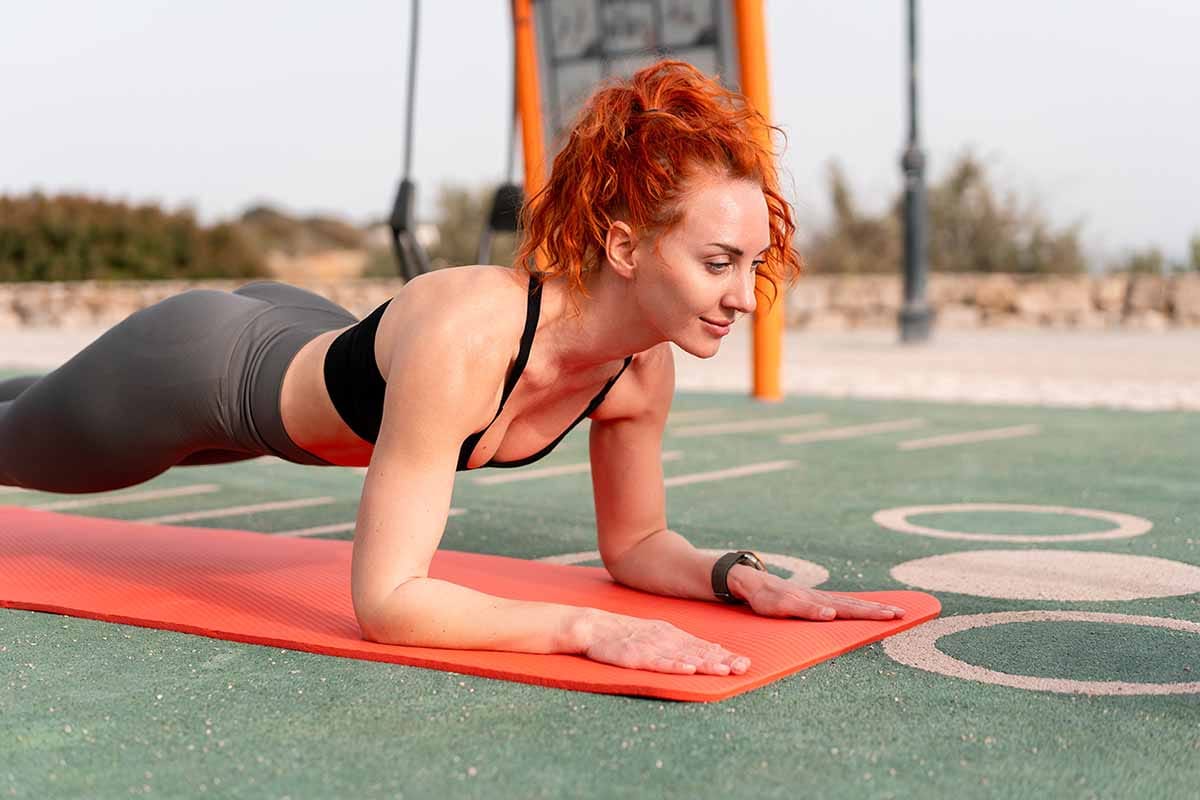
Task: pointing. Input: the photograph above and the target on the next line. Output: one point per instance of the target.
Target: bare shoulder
(446, 341)
(460, 293)
(645, 389)
(471, 311)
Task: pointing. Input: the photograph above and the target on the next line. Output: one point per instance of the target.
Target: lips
(721, 324)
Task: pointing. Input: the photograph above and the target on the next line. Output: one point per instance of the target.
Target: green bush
(270, 229)
(1151, 261)
(381, 263)
(854, 242)
(969, 229)
(461, 216)
(1147, 261)
(71, 237)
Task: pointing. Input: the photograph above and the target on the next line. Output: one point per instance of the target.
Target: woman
(658, 213)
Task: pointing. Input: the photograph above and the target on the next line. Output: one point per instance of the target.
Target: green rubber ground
(90, 709)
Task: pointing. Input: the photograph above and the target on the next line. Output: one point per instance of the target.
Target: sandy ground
(1111, 369)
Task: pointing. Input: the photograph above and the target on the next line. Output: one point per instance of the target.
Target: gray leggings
(194, 379)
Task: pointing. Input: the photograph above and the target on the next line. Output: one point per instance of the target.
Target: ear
(619, 246)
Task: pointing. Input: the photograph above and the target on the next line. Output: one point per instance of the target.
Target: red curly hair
(630, 155)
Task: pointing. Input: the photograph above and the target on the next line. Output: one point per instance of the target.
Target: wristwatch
(725, 563)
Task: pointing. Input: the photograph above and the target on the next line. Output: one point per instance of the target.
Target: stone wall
(1143, 302)
(89, 304)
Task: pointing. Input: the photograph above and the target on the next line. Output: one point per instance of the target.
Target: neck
(608, 326)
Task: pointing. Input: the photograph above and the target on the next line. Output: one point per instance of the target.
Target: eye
(756, 264)
(717, 267)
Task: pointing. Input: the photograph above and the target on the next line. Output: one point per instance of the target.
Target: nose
(741, 295)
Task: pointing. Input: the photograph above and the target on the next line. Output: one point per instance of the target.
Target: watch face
(751, 559)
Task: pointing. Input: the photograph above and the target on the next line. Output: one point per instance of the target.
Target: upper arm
(432, 402)
(625, 447)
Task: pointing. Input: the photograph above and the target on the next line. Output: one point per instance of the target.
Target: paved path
(1112, 369)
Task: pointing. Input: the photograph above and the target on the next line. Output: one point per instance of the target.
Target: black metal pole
(916, 316)
(411, 258)
(410, 105)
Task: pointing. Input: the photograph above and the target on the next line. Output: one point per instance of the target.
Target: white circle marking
(1069, 575)
(917, 647)
(896, 519)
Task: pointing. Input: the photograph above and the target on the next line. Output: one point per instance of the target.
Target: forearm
(427, 612)
(665, 563)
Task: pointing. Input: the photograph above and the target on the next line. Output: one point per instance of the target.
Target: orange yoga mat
(295, 593)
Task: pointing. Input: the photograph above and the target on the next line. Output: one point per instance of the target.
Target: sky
(1087, 108)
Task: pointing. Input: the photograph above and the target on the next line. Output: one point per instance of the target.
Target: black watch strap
(720, 572)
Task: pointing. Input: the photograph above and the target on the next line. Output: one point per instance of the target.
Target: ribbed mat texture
(295, 593)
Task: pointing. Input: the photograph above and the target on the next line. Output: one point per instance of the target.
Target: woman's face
(702, 270)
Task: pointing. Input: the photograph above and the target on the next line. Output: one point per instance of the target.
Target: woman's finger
(689, 665)
(672, 665)
(846, 610)
(823, 607)
(712, 658)
(856, 601)
(853, 605)
(795, 605)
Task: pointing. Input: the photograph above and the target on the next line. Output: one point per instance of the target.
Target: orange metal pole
(529, 97)
(768, 324)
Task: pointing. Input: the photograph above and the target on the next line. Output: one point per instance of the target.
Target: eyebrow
(737, 251)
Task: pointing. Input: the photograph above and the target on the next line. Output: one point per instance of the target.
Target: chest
(535, 416)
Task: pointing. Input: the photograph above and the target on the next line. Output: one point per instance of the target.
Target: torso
(542, 405)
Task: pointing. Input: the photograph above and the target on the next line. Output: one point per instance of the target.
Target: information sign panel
(581, 42)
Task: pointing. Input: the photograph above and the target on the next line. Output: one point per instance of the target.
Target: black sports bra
(356, 387)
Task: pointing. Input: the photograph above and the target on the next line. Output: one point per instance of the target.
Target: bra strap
(533, 311)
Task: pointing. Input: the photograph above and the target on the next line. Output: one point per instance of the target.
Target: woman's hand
(772, 596)
(655, 645)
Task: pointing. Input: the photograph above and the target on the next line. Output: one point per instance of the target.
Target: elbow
(370, 628)
(612, 554)
(625, 572)
(369, 625)
(379, 618)
(612, 563)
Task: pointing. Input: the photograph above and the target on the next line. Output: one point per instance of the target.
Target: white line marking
(340, 527)
(279, 505)
(129, 497)
(749, 425)
(736, 472)
(13, 489)
(852, 432)
(552, 472)
(337, 527)
(676, 417)
(968, 437)
(528, 475)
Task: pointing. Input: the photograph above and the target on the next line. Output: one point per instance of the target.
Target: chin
(699, 352)
(695, 341)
